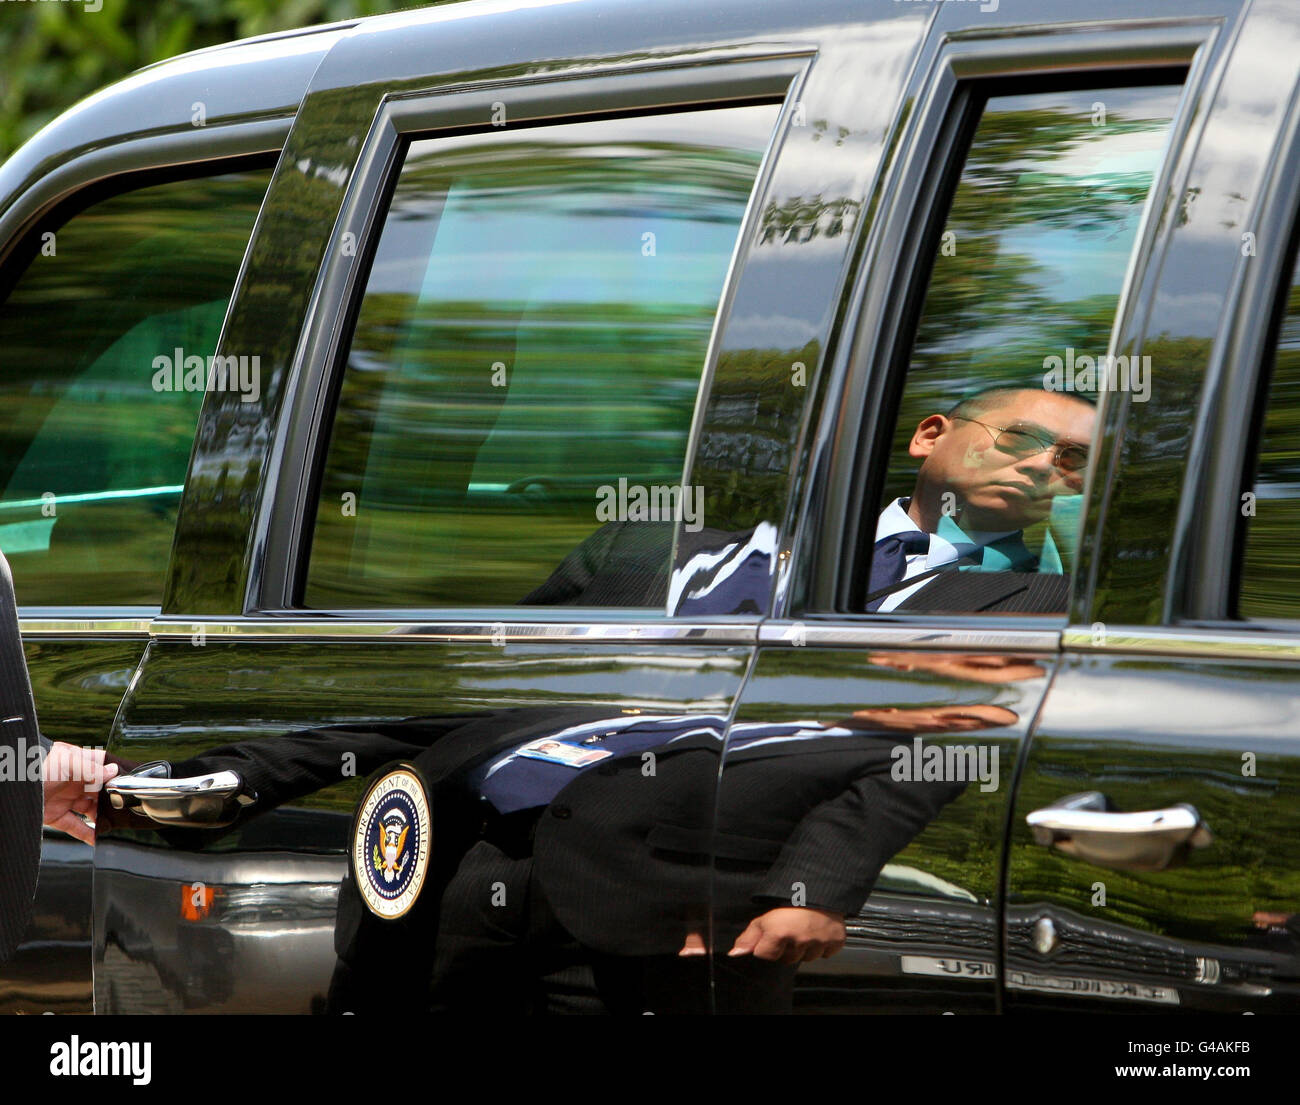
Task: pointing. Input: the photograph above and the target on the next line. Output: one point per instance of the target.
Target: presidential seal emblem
(390, 842)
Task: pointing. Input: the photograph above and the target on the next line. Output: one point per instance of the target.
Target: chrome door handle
(197, 802)
(1088, 827)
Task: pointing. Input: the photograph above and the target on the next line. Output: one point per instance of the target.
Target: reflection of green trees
(655, 179)
(751, 423)
(133, 277)
(284, 261)
(801, 220)
(990, 315)
(1210, 897)
(1270, 576)
(1148, 486)
(1002, 183)
(469, 492)
(597, 392)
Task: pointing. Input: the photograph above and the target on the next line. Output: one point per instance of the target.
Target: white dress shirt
(894, 519)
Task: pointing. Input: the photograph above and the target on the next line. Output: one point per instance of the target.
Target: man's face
(1005, 486)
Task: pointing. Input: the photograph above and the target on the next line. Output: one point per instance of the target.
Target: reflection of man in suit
(990, 467)
(589, 883)
(588, 887)
(616, 869)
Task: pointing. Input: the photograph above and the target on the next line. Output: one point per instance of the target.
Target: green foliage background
(54, 53)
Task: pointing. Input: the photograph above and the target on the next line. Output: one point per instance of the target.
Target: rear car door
(1015, 228)
(1152, 862)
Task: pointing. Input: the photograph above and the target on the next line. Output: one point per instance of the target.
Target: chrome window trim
(91, 625)
(1126, 640)
(444, 631)
(1176, 641)
(1204, 576)
(931, 637)
(291, 629)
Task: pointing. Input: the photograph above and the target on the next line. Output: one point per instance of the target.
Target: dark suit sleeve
(280, 768)
(576, 573)
(991, 592)
(21, 793)
(837, 852)
(621, 564)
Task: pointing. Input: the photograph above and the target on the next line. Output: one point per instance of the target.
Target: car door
(869, 770)
(487, 314)
(1151, 864)
(124, 227)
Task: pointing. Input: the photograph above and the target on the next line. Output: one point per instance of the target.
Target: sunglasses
(1020, 443)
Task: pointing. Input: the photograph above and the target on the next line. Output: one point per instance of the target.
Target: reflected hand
(73, 777)
(792, 934)
(932, 719)
(694, 945)
(972, 667)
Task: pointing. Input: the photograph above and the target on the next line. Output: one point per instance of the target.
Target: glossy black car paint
(828, 258)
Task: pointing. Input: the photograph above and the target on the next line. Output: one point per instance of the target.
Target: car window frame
(856, 435)
(283, 527)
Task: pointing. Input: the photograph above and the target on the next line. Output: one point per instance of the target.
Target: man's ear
(927, 435)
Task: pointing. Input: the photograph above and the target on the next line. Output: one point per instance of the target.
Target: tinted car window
(1269, 585)
(96, 425)
(527, 355)
(991, 447)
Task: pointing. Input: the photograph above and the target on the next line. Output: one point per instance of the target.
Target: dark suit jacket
(20, 794)
(624, 859)
(987, 592)
(626, 564)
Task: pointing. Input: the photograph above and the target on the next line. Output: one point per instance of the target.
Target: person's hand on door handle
(73, 778)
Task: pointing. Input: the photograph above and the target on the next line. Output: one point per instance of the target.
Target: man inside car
(991, 467)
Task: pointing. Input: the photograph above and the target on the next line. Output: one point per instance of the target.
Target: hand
(972, 667)
(791, 934)
(694, 945)
(73, 777)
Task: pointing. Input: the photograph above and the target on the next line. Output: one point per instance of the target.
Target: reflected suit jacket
(622, 856)
(811, 820)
